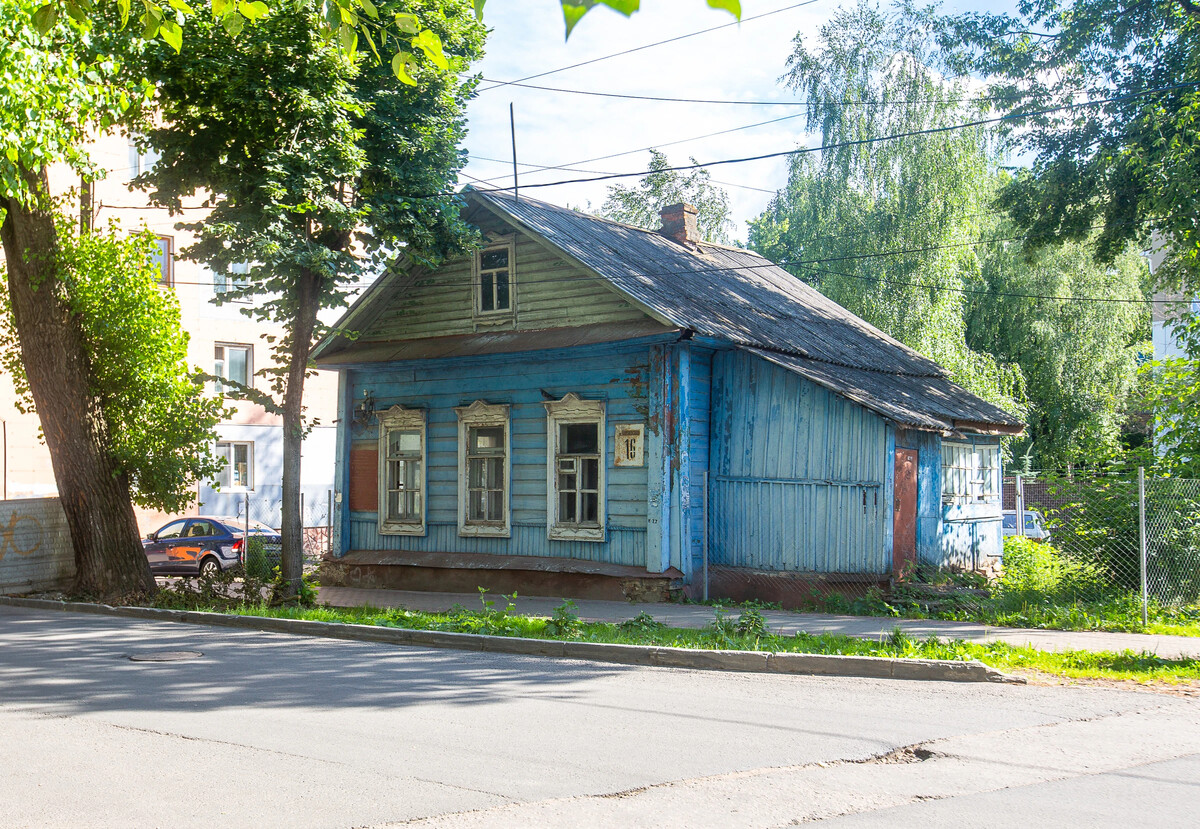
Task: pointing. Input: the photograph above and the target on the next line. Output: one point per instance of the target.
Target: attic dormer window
(494, 283)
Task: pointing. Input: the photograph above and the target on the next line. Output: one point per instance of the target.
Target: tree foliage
(642, 203)
(1130, 164)
(887, 228)
(1045, 313)
(157, 419)
(1172, 393)
(320, 166)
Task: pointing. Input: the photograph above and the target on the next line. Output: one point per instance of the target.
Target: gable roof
(740, 297)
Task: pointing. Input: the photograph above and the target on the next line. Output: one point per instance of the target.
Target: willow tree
(320, 163)
(887, 227)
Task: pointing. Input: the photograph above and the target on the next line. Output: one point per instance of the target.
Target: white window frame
(970, 473)
(229, 466)
(399, 418)
(164, 259)
(499, 314)
(236, 277)
(221, 367)
(571, 409)
(141, 161)
(483, 414)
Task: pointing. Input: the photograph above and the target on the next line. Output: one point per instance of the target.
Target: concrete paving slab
(783, 621)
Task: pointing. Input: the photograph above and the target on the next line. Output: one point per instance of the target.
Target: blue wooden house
(587, 408)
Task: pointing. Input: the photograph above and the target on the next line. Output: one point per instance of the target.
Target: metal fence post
(329, 522)
(704, 546)
(1142, 540)
(1020, 498)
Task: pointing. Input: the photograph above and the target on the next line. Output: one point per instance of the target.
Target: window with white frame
(141, 161)
(970, 473)
(238, 472)
(163, 259)
(234, 278)
(495, 286)
(484, 467)
(232, 362)
(575, 464)
(402, 471)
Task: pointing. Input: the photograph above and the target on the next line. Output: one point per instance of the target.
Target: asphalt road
(272, 730)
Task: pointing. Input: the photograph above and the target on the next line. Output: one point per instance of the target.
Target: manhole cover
(165, 656)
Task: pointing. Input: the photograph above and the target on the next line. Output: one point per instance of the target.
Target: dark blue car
(203, 545)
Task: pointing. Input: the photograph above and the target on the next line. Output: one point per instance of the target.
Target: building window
(483, 469)
(575, 464)
(495, 284)
(402, 471)
(235, 278)
(163, 259)
(232, 363)
(141, 161)
(238, 472)
(970, 473)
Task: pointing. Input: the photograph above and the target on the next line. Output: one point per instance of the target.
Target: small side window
(495, 286)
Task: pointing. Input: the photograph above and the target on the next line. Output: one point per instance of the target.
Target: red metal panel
(904, 520)
(364, 480)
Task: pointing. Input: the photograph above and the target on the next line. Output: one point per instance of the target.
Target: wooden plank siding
(550, 293)
(616, 374)
(799, 474)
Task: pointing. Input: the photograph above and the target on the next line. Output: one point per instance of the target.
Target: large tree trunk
(300, 347)
(109, 561)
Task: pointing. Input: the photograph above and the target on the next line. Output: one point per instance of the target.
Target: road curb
(811, 664)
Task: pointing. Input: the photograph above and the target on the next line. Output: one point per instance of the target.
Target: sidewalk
(783, 621)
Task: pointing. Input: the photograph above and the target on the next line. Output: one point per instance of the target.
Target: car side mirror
(152, 536)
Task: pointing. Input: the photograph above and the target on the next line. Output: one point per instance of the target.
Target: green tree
(320, 166)
(888, 228)
(1042, 311)
(641, 204)
(1172, 394)
(158, 421)
(1130, 164)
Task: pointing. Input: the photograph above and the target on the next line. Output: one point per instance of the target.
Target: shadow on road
(81, 663)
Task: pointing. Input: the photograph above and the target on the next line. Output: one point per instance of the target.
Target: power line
(499, 84)
(725, 102)
(541, 167)
(858, 142)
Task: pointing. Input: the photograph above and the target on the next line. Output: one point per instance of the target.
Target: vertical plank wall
(798, 474)
(617, 374)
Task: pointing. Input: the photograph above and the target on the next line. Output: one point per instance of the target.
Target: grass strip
(749, 632)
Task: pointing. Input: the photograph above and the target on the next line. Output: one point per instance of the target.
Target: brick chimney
(679, 223)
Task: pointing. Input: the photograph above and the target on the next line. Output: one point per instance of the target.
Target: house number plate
(631, 444)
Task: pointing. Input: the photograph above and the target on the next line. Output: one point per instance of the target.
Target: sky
(739, 62)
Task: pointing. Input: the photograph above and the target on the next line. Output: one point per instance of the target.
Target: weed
(564, 621)
(751, 624)
(641, 624)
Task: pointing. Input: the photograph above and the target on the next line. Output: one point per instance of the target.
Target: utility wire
(498, 84)
(858, 142)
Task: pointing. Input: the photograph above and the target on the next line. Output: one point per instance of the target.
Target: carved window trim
(496, 315)
(572, 409)
(397, 419)
(481, 414)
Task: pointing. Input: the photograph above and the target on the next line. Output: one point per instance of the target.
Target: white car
(1035, 527)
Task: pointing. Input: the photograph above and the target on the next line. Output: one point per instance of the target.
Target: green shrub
(1033, 567)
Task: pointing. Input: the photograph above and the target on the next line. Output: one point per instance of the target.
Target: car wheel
(209, 568)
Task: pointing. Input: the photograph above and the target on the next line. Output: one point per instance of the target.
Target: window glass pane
(162, 259)
(486, 440)
(589, 474)
(1010, 522)
(566, 482)
(487, 301)
(237, 362)
(475, 473)
(495, 473)
(490, 260)
(495, 506)
(475, 506)
(1029, 523)
(590, 507)
(566, 507)
(403, 442)
(501, 290)
(579, 438)
(172, 530)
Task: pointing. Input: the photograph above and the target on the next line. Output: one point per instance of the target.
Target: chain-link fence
(263, 509)
(1078, 550)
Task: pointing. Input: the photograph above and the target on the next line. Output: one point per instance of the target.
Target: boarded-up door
(904, 520)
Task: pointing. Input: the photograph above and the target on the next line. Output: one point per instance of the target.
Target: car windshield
(1010, 522)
